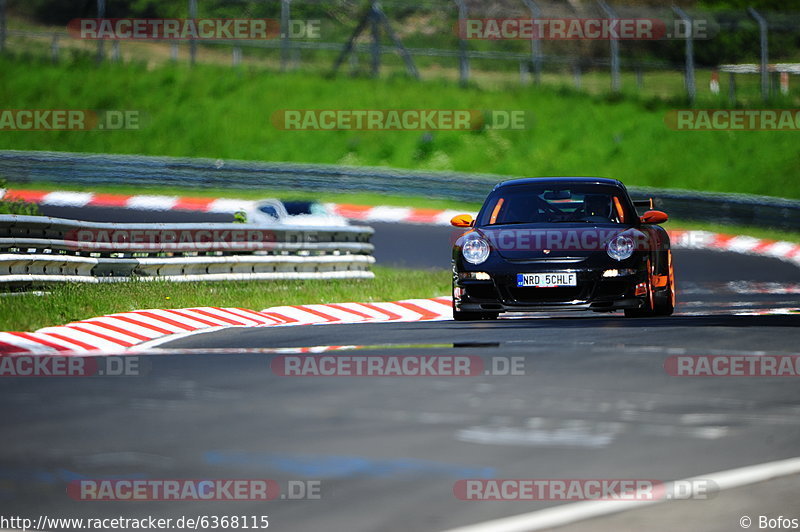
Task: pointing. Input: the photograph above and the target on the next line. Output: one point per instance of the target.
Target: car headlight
(619, 273)
(475, 250)
(620, 247)
(474, 276)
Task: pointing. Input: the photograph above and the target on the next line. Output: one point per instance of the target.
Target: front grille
(481, 291)
(612, 289)
(547, 295)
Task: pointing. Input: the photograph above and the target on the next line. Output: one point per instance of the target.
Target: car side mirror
(462, 220)
(654, 217)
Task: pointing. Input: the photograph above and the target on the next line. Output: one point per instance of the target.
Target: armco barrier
(96, 169)
(40, 250)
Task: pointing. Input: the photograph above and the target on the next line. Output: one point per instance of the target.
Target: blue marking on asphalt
(326, 466)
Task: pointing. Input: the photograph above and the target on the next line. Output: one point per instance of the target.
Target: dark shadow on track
(620, 322)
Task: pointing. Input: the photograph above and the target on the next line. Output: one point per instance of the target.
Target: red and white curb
(146, 328)
(747, 245)
(222, 205)
(408, 215)
(787, 251)
(142, 202)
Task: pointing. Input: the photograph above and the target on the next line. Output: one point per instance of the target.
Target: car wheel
(665, 300)
(649, 302)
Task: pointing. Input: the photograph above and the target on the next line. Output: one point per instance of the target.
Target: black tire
(665, 300)
(649, 305)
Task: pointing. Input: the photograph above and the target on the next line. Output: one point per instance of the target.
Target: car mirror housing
(462, 220)
(654, 217)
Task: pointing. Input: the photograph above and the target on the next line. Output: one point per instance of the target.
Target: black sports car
(562, 243)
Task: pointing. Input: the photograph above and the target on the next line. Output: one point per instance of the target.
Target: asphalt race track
(594, 402)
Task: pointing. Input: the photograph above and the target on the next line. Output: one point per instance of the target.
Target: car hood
(552, 241)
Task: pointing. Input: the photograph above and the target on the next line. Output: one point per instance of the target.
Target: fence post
(610, 13)
(576, 74)
(376, 39)
(463, 59)
(116, 54)
(536, 43)
(54, 48)
(192, 42)
(2, 25)
(763, 30)
(691, 88)
(173, 51)
(237, 56)
(101, 13)
(285, 17)
(524, 73)
(731, 87)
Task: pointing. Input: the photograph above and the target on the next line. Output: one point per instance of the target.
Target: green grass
(220, 112)
(435, 29)
(75, 301)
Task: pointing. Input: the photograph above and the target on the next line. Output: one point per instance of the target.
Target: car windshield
(526, 204)
(295, 208)
(269, 210)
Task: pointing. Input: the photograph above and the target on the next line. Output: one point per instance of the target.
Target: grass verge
(65, 303)
(218, 112)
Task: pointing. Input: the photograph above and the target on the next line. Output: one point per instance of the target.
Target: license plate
(547, 280)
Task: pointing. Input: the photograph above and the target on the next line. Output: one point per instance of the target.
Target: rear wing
(647, 203)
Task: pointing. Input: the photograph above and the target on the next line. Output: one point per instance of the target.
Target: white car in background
(305, 213)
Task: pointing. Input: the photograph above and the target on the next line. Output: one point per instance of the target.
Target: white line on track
(581, 511)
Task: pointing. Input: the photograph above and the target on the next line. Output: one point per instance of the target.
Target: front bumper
(593, 292)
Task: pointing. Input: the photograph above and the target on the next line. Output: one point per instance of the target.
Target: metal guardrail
(727, 209)
(40, 250)
(94, 169)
